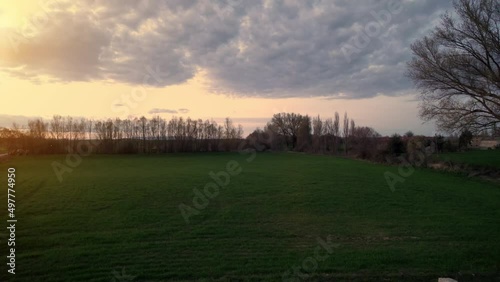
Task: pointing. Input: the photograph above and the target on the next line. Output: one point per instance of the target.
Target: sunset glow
(58, 57)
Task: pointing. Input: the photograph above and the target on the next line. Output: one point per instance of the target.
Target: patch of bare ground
(485, 173)
(4, 158)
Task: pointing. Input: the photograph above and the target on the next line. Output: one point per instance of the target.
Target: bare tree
(192, 133)
(317, 126)
(171, 126)
(336, 132)
(118, 129)
(69, 130)
(37, 128)
(228, 128)
(90, 125)
(288, 124)
(304, 134)
(364, 142)
(219, 136)
(318, 131)
(279, 122)
(328, 134)
(80, 127)
(163, 134)
(352, 135)
(154, 131)
(143, 126)
(353, 127)
(127, 127)
(13, 139)
(56, 127)
(346, 131)
(457, 68)
(239, 132)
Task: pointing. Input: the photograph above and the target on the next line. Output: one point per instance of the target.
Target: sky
(214, 59)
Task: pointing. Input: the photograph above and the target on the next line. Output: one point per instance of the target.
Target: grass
(121, 213)
(487, 158)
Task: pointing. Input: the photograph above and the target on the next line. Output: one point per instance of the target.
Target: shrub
(396, 146)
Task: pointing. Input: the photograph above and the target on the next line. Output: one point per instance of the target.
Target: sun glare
(6, 20)
(14, 13)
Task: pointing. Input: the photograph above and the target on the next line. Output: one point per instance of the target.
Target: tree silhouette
(457, 68)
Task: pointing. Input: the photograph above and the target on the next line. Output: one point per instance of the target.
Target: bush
(465, 139)
(396, 145)
(416, 151)
(450, 146)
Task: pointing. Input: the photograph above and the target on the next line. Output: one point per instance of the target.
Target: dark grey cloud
(183, 111)
(162, 111)
(279, 48)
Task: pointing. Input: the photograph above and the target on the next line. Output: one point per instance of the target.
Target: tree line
(296, 132)
(285, 131)
(121, 136)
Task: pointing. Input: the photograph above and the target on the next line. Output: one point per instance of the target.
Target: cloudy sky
(213, 58)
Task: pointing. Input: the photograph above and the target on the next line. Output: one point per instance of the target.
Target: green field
(487, 158)
(120, 214)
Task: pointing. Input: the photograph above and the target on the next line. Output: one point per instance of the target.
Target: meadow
(283, 216)
(484, 158)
